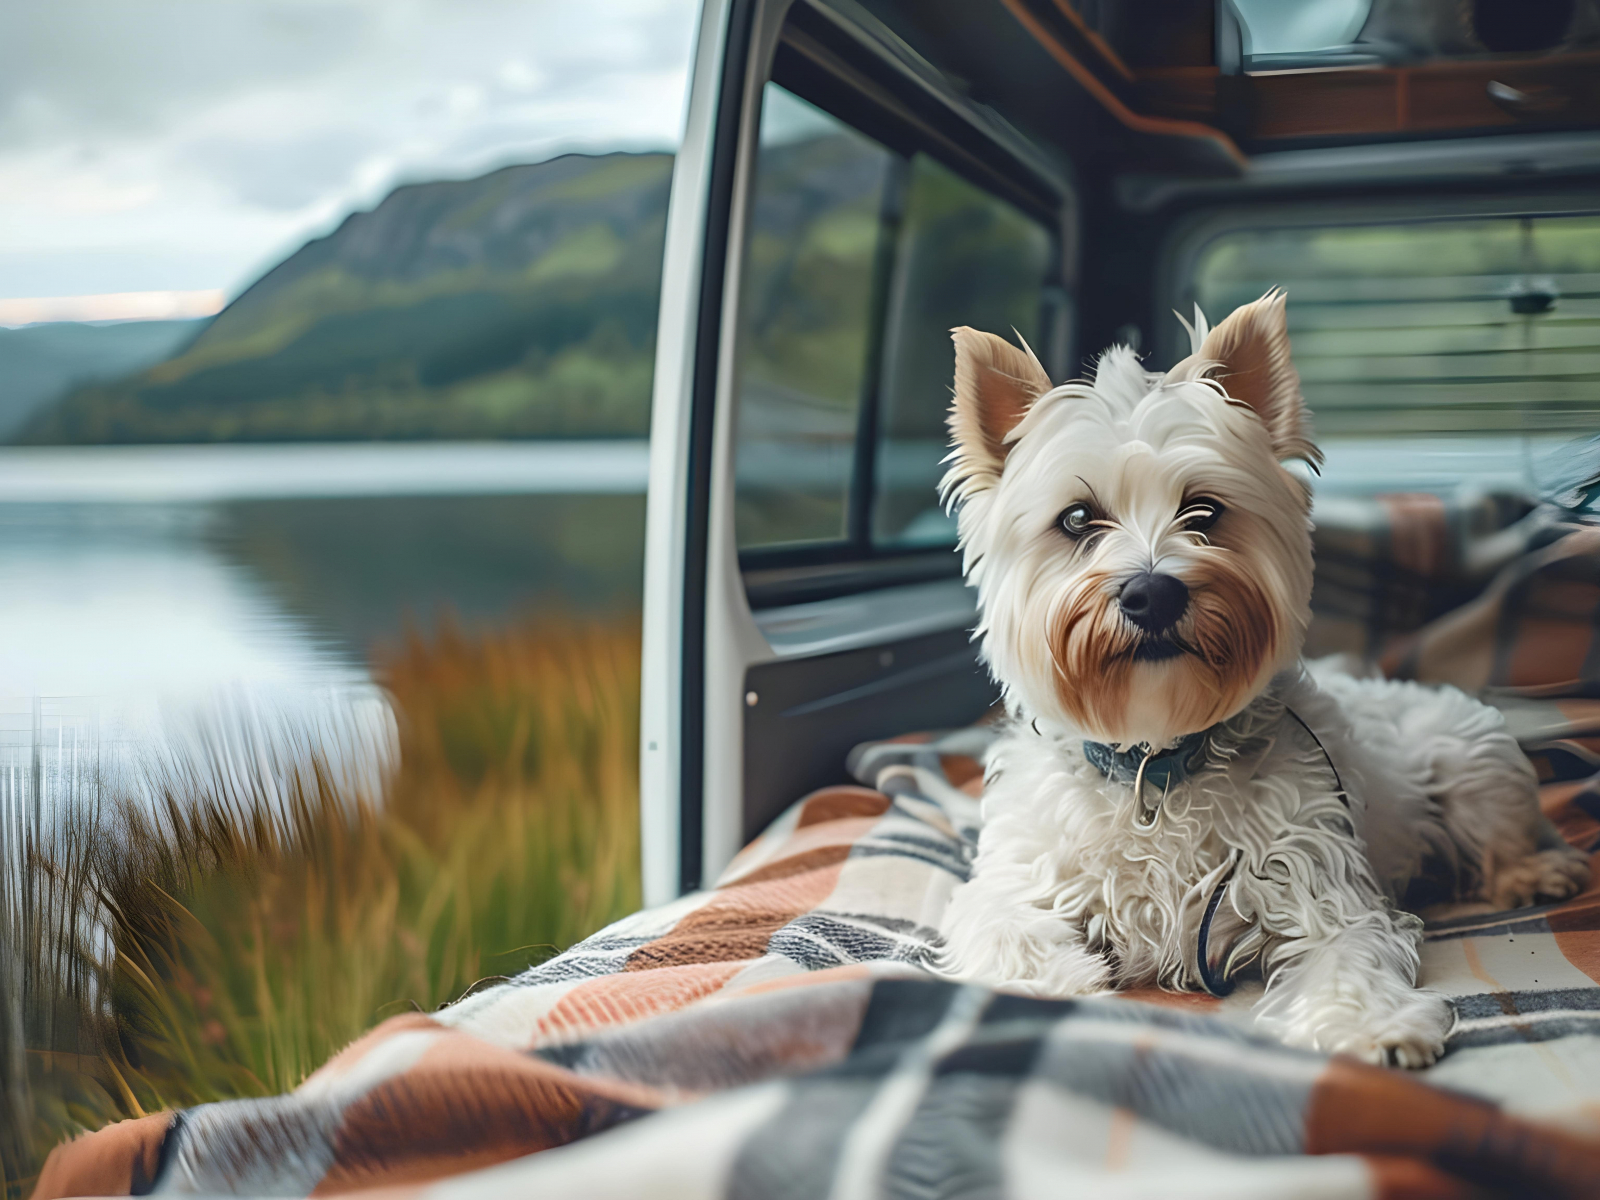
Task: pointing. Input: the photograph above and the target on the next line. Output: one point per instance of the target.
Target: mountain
(40, 362)
(518, 304)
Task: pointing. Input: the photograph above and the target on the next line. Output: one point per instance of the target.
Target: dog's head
(1142, 558)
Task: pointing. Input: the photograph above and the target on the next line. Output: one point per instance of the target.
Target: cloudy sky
(183, 145)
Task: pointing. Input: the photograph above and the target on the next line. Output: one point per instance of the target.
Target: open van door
(838, 206)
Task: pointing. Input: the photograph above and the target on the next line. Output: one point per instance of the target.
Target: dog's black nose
(1153, 602)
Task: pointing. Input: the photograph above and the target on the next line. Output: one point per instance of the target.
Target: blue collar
(1160, 770)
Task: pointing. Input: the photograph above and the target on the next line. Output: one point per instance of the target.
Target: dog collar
(1162, 770)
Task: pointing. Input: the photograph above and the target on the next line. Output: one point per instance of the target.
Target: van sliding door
(838, 206)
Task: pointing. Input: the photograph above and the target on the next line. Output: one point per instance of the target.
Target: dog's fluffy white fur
(1181, 475)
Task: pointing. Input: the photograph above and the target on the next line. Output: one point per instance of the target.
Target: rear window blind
(1472, 326)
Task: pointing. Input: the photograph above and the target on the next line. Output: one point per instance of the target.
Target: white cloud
(185, 144)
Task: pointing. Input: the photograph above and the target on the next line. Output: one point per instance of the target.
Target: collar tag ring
(1145, 817)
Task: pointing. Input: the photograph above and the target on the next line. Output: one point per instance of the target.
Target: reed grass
(228, 928)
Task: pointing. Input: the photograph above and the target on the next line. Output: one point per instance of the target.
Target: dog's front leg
(1353, 991)
(1002, 929)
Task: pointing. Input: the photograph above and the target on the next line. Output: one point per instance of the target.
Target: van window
(805, 320)
(1464, 327)
(859, 259)
(965, 258)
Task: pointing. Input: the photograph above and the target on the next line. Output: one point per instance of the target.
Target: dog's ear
(996, 383)
(1248, 354)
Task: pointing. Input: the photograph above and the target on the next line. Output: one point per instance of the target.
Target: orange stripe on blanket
(848, 973)
(1580, 713)
(1192, 1001)
(1576, 925)
(358, 1049)
(631, 996)
(1548, 651)
(737, 922)
(1556, 802)
(961, 770)
(1581, 948)
(1407, 1179)
(809, 848)
(118, 1160)
(1359, 1109)
(1419, 532)
(801, 850)
(465, 1105)
(830, 804)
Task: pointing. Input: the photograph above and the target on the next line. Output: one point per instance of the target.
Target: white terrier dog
(1173, 795)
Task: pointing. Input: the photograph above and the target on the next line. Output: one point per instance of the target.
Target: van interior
(858, 176)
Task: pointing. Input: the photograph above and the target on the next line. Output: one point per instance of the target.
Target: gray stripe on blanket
(1523, 1029)
(599, 955)
(819, 940)
(277, 1146)
(1192, 1075)
(953, 1144)
(796, 1153)
(1523, 1003)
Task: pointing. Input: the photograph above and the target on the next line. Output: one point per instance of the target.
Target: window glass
(859, 261)
(805, 320)
(964, 258)
(1474, 329)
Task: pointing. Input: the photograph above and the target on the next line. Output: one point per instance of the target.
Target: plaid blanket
(777, 1035)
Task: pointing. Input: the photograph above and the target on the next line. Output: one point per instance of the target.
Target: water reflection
(127, 626)
(103, 600)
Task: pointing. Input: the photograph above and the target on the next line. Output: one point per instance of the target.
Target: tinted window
(859, 261)
(816, 228)
(965, 258)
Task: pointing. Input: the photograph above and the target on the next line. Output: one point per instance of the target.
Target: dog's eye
(1201, 513)
(1075, 520)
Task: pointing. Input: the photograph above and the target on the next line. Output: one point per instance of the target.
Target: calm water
(146, 590)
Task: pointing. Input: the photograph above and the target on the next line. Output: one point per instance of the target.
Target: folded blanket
(778, 1035)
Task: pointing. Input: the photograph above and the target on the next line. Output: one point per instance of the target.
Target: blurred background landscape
(520, 303)
(326, 341)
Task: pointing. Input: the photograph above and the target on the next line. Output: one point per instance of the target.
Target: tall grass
(226, 929)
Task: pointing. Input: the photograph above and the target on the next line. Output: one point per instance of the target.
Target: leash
(1221, 984)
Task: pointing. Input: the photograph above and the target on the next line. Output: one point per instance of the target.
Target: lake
(143, 589)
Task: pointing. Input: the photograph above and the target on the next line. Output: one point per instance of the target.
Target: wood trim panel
(1102, 47)
(1560, 92)
(1563, 92)
(1160, 126)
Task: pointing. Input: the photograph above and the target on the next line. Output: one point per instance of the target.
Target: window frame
(820, 61)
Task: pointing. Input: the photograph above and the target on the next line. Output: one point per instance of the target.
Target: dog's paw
(1408, 1034)
(1547, 875)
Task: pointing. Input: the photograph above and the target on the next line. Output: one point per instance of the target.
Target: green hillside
(519, 304)
(38, 363)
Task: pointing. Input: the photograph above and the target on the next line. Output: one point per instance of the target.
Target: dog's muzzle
(1155, 603)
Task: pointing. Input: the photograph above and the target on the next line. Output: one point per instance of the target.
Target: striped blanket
(777, 1035)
